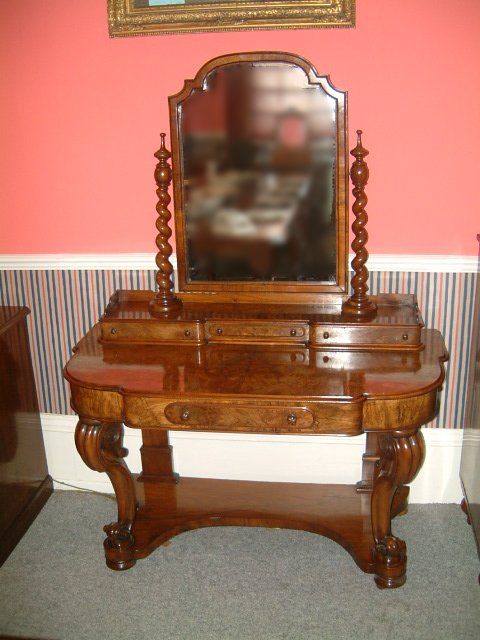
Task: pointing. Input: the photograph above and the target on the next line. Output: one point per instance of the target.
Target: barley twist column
(359, 304)
(165, 300)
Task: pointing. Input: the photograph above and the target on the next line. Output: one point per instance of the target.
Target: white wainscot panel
(318, 459)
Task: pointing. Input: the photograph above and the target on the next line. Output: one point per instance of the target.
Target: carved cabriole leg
(100, 446)
(402, 455)
(371, 469)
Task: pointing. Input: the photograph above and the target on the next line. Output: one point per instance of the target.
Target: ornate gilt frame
(124, 19)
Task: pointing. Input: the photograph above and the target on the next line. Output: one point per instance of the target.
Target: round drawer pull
(186, 333)
(113, 331)
(326, 335)
(185, 414)
(291, 418)
(293, 332)
(405, 336)
(219, 331)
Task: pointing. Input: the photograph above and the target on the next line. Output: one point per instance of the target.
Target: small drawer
(151, 332)
(379, 336)
(340, 417)
(257, 331)
(239, 417)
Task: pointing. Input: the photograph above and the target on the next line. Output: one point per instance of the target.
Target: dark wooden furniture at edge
(25, 485)
(286, 357)
(470, 463)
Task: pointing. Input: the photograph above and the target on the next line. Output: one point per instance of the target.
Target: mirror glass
(258, 154)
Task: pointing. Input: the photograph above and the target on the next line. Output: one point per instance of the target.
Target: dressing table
(260, 334)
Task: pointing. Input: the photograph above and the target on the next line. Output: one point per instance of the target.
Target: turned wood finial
(165, 300)
(359, 304)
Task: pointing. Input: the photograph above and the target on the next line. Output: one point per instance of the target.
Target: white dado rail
(376, 262)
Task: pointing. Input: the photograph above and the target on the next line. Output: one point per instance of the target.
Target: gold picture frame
(135, 17)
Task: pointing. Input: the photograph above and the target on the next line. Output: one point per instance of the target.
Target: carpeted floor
(235, 583)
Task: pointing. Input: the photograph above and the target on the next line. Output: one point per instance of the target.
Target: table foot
(119, 547)
(390, 563)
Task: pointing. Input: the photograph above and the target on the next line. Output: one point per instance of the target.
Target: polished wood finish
(353, 389)
(469, 475)
(338, 512)
(254, 388)
(288, 360)
(359, 304)
(25, 485)
(156, 454)
(397, 325)
(164, 301)
(228, 416)
(403, 455)
(100, 445)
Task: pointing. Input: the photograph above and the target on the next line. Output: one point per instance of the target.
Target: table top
(256, 371)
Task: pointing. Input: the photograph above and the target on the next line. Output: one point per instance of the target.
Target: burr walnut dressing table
(261, 335)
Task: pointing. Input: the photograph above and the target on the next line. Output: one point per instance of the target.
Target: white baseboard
(144, 261)
(315, 459)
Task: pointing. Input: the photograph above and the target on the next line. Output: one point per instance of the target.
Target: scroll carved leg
(100, 444)
(402, 455)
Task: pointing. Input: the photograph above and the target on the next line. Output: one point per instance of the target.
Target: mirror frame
(279, 291)
(127, 19)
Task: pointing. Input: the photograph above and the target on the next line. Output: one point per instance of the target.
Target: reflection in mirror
(258, 151)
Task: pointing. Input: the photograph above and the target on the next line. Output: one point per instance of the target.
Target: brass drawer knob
(185, 414)
(186, 333)
(293, 332)
(291, 418)
(219, 331)
(405, 336)
(113, 331)
(326, 335)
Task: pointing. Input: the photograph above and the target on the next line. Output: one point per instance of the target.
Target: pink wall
(81, 114)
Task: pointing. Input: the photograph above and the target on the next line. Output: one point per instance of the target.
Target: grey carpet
(235, 583)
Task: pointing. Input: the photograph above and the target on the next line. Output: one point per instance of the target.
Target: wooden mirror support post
(359, 304)
(165, 300)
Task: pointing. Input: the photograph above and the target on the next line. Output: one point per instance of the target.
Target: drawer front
(151, 332)
(393, 337)
(227, 416)
(232, 415)
(290, 332)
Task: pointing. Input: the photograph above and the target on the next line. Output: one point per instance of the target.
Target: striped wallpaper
(65, 304)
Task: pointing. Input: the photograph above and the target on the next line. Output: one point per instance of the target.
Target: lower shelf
(338, 512)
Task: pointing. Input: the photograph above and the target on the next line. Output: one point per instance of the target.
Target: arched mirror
(260, 177)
